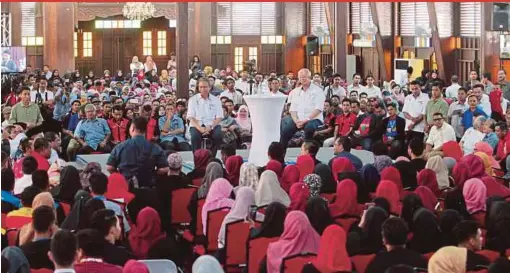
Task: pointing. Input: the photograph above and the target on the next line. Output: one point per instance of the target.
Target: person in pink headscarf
(298, 237)
(133, 266)
(484, 147)
(217, 197)
(244, 122)
(475, 195)
(427, 178)
(391, 173)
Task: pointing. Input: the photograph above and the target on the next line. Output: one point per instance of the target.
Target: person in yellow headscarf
(487, 164)
(26, 233)
(449, 259)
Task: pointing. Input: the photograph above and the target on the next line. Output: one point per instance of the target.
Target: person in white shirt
(356, 83)
(414, 111)
(242, 84)
(473, 135)
(335, 88)
(440, 133)
(149, 65)
(260, 86)
(205, 114)
(485, 103)
(305, 109)
(274, 87)
(456, 110)
(55, 145)
(451, 91)
(231, 93)
(372, 90)
(42, 94)
(317, 80)
(29, 166)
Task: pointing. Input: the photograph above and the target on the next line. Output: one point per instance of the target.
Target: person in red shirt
(118, 125)
(345, 121)
(41, 153)
(326, 132)
(503, 148)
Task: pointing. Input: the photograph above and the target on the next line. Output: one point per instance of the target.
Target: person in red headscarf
(332, 256)
(233, 167)
(391, 173)
(118, 189)
(306, 165)
(146, 232)
(388, 190)
(428, 199)
(428, 178)
(495, 99)
(274, 166)
(341, 165)
(201, 158)
(298, 194)
(346, 199)
(494, 188)
(290, 176)
(454, 199)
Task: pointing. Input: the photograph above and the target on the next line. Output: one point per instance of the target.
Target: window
(318, 20)
(221, 40)
(32, 41)
(384, 15)
(102, 24)
(246, 18)
(444, 15)
(75, 44)
(161, 43)
(28, 19)
(147, 43)
(470, 19)
(414, 19)
(278, 39)
(252, 54)
(238, 59)
(361, 16)
(87, 44)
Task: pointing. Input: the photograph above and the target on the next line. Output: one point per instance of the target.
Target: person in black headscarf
(383, 203)
(498, 233)
(318, 213)
(368, 238)
(370, 177)
(363, 195)
(273, 222)
(411, 204)
(69, 185)
(328, 182)
(426, 233)
(448, 220)
(494, 205)
(407, 174)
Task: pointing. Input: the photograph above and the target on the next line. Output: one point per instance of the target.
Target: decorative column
(182, 50)
(58, 29)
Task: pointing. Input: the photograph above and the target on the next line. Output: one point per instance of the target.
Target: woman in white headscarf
(249, 176)
(206, 264)
(269, 190)
(436, 164)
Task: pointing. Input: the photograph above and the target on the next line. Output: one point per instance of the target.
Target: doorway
(244, 55)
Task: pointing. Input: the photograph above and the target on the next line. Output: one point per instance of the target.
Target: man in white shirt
(47, 73)
(356, 84)
(456, 110)
(260, 86)
(439, 134)
(274, 87)
(335, 88)
(451, 91)
(243, 84)
(372, 90)
(205, 114)
(317, 80)
(414, 111)
(42, 94)
(305, 109)
(55, 145)
(29, 166)
(231, 93)
(485, 104)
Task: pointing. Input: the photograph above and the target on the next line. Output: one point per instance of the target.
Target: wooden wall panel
(294, 18)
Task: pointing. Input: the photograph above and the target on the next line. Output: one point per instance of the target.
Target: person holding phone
(456, 110)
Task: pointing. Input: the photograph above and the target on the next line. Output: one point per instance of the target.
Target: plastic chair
(489, 254)
(12, 236)
(295, 263)
(236, 236)
(180, 201)
(197, 182)
(346, 221)
(17, 221)
(361, 262)
(160, 266)
(200, 226)
(4, 220)
(214, 221)
(256, 250)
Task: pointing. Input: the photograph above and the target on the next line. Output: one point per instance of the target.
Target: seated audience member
(63, 251)
(366, 129)
(9, 201)
(229, 128)
(201, 158)
(36, 251)
(91, 248)
(366, 237)
(276, 151)
(489, 128)
(69, 123)
(342, 148)
(472, 136)
(55, 146)
(41, 153)
(501, 265)
(269, 190)
(274, 216)
(325, 133)
(472, 112)
(415, 151)
(118, 125)
(503, 148)
(207, 264)
(345, 121)
(244, 124)
(27, 197)
(456, 110)
(332, 255)
(218, 196)
(227, 151)
(172, 130)
(92, 133)
(440, 133)
(68, 185)
(393, 126)
(107, 223)
(318, 214)
(40, 180)
(426, 232)
(311, 148)
(468, 235)
(449, 259)
(394, 233)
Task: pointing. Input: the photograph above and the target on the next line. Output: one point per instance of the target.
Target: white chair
(160, 266)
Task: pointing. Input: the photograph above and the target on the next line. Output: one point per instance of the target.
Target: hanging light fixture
(138, 10)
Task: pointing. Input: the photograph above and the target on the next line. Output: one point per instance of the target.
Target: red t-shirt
(118, 129)
(500, 151)
(344, 123)
(42, 162)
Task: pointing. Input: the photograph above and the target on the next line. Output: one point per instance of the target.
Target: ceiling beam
(378, 42)
(436, 41)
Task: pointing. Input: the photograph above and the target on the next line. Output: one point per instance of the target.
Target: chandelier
(138, 10)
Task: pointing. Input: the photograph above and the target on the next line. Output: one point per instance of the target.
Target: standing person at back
(137, 158)
(414, 111)
(436, 104)
(26, 111)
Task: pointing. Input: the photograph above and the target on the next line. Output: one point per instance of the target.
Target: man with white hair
(306, 108)
(473, 135)
(92, 133)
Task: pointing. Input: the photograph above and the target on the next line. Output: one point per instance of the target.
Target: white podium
(266, 114)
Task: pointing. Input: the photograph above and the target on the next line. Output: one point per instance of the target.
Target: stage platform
(324, 155)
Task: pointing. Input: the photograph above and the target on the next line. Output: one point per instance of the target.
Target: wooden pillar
(436, 41)
(182, 50)
(341, 32)
(15, 10)
(295, 39)
(378, 42)
(199, 35)
(58, 29)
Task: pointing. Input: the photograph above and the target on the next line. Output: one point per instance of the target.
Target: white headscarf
(249, 176)
(269, 190)
(206, 264)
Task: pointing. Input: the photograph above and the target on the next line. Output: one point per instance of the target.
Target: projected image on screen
(14, 59)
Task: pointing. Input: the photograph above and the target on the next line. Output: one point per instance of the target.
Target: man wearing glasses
(440, 133)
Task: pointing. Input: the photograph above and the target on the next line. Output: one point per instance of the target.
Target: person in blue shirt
(92, 133)
(9, 201)
(62, 103)
(472, 112)
(172, 131)
(342, 148)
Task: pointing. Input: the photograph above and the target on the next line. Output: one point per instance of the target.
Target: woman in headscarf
(273, 222)
(436, 164)
(328, 182)
(340, 165)
(314, 183)
(494, 188)
(460, 173)
(475, 195)
(427, 197)
(449, 162)
(402, 158)
(381, 162)
(363, 194)
(290, 176)
(244, 122)
(69, 185)
(201, 158)
(249, 176)
(449, 259)
(318, 213)
(428, 178)
(217, 197)
(18, 263)
(391, 173)
(241, 208)
(85, 215)
(332, 256)
(26, 233)
(345, 202)
(305, 164)
(133, 266)
(389, 191)
(368, 238)
(146, 232)
(410, 205)
(484, 147)
(498, 227)
(207, 264)
(454, 199)
(298, 237)
(90, 168)
(269, 190)
(447, 221)
(426, 233)
(275, 166)
(475, 166)
(299, 194)
(407, 174)
(118, 189)
(213, 171)
(487, 164)
(233, 166)
(370, 177)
